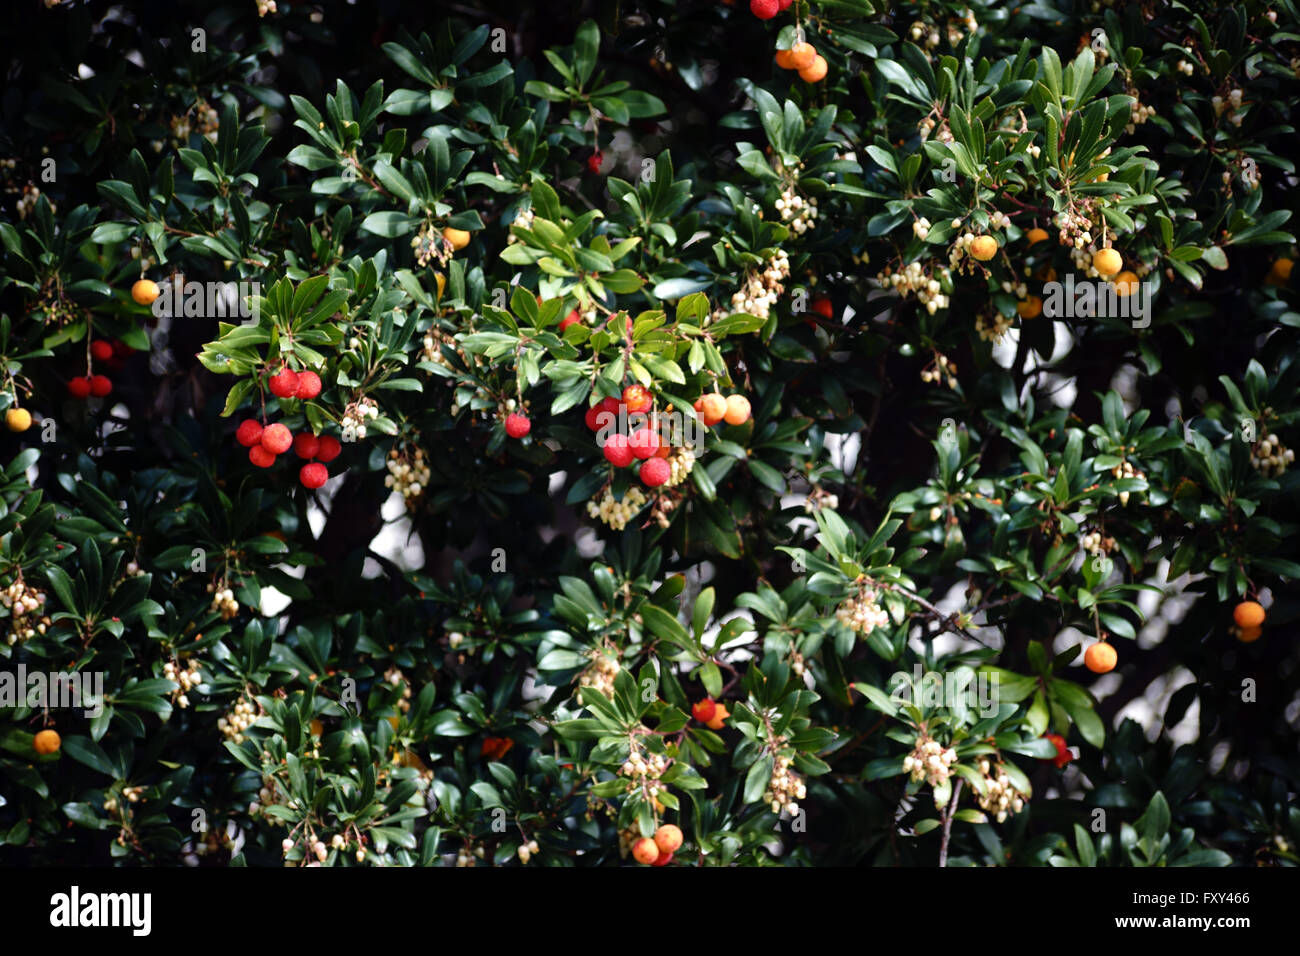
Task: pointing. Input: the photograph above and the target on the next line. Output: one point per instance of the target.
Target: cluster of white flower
(680, 460)
(922, 32)
(797, 211)
(238, 719)
(1234, 102)
(355, 417)
(860, 612)
(992, 330)
(429, 245)
(1270, 457)
(131, 795)
(408, 474)
(205, 122)
(926, 128)
(188, 678)
(617, 513)
(1000, 797)
(1185, 68)
(1019, 289)
(1125, 469)
(761, 289)
(600, 673)
(23, 602)
(467, 855)
(264, 7)
(786, 787)
(820, 499)
(133, 569)
(640, 765)
(433, 341)
(914, 278)
(526, 850)
(1094, 543)
(1076, 232)
(929, 761)
(27, 201)
(943, 369)
(524, 219)
(212, 841)
(1138, 113)
(921, 228)
(397, 679)
(223, 601)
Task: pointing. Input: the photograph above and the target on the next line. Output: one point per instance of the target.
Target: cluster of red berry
(767, 9)
(264, 443)
(287, 383)
(640, 444)
(113, 354)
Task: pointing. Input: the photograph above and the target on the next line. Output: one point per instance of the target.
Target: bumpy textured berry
(764, 9)
(638, 399)
(260, 457)
(79, 387)
(594, 161)
(101, 350)
(617, 452)
(277, 438)
(643, 442)
(249, 433)
(330, 448)
(737, 412)
(313, 475)
(284, 384)
(306, 445)
(655, 471)
(570, 319)
(100, 385)
(703, 710)
(517, 426)
(712, 408)
(309, 385)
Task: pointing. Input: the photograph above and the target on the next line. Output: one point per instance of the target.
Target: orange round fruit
(145, 291)
(737, 412)
(804, 55)
(1280, 272)
(1107, 262)
(720, 715)
(668, 838)
(1100, 658)
(1036, 235)
(1248, 614)
(458, 238)
(1126, 283)
(815, 71)
(784, 59)
(316, 727)
(984, 248)
(703, 710)
(18, 419)
(46, 742)
(1030, 308)
(713, 407)
(645, 851)
(1249, 635)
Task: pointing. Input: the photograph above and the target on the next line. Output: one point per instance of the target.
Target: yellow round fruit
(18, 419)
(458, 238)
(645, 851)
(1036, 235)
(984, 248)
(46, 742)
(1126, 283)
(1107, 262)
(1248, 614)
(145, 291)
(1030, 308)
(804, 55)
(668, 838)
(713, 408)
(815, 71)
(737, 412)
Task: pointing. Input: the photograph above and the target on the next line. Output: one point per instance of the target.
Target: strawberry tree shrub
(715, 433)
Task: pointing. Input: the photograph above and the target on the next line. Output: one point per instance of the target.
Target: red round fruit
(249, 433)
(703, 710)
(306, 445)
(284, 384)
(100, 385)
(603, 414)
(261, 457)
(329, 449)
(101, 350)
(309, 385)
(570, 319)
(644, 442)
(663, 859)
(313, 475)
(764, 9)
(785, 4)
(638, 399)
(822, 306)
(593, 161)
(277, 439)
(655, 471)
(664, 451)
(617, 452)
(1063, 755)
(79, 387)
(517, 426)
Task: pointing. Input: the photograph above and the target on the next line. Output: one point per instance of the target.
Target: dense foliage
(470, 647)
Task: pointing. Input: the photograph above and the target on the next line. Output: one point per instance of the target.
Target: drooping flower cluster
(223, 600)
(24, 604)
(761, 288)
(188, 677)
(860, 613)
(1094, 543)
(238, 719)
(1270, 457)
(408, 474)
(429, 245)
(916, 279)
(1000, 797)
(929, 761)
(617, 513)
(786, 787)
(600, 673)
(992, 329)
(943, 369)
(796, 211)
(355, 417)
(1123, 470)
